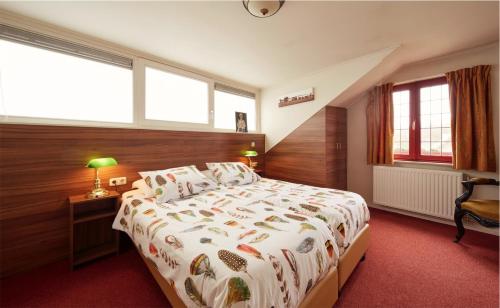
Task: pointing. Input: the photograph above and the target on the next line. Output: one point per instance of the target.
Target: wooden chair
(485, 212)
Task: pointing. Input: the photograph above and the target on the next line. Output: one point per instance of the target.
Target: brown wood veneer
(315, 153)
(40, 166)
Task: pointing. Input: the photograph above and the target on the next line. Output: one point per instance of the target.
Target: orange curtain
(472, 118)
(380, 125)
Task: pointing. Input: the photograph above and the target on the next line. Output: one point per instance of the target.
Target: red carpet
(410, 263)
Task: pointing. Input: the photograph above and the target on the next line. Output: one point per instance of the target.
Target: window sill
(400, 163)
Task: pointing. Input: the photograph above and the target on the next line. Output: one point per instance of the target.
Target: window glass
(435, 132)
(401, 103)
(225, 106)
(39, 83)
(175, 98)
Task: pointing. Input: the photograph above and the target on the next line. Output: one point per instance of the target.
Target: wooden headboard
(40, 166)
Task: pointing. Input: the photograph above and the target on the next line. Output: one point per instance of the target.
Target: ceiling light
(263, 9)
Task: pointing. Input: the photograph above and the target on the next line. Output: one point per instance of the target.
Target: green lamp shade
(102, 162)
(250, 153)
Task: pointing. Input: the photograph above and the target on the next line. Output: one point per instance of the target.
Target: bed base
(353, 254)
(321, 294)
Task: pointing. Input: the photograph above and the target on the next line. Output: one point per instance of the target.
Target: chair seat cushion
(483, 208)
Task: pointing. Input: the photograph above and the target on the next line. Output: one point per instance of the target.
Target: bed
(268, 243)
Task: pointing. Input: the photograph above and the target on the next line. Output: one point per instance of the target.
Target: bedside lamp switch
(118, 181)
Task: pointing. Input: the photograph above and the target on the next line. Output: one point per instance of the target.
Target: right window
(422, 121)
(228, 101)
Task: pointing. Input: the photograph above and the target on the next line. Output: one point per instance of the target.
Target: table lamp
(97, 163)
(249, 155)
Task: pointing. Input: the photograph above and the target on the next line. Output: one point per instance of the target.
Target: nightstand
(90, 221)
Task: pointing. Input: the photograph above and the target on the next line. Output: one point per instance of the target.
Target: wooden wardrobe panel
(300, 157)
(315, 153)
(41, 166)
(336, 153)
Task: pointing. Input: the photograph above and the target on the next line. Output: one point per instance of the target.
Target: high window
(42, 77)
(48, 80)
(422, 121)
(174, 97)
(228, 101)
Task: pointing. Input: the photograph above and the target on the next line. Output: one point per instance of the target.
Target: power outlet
(118, 181)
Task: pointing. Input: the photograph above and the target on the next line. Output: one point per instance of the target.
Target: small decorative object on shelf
(297, 98)
(96, 163)
(90, 223)
(249, 155)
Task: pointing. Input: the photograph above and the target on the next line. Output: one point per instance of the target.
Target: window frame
(42, 120)
(414, 128)
(140, 88)
(138, 85)
(256, 110)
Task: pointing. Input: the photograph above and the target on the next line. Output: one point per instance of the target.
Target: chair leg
(460, 225)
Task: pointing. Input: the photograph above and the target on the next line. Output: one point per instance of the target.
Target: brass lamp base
(97, 193)
(251, 164)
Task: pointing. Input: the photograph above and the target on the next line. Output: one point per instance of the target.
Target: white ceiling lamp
(263, 9)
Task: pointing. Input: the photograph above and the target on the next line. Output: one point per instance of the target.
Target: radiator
(429, 192)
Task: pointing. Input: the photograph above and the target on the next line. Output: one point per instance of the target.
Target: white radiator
(429, 192)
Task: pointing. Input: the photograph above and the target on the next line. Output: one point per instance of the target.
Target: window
(175, 98)
(226, 104)
(422, 121)
(42, 83)
(48, 80)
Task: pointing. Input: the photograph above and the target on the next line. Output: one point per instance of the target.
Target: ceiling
(303, 37)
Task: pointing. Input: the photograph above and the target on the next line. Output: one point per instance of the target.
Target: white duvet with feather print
(240, 246)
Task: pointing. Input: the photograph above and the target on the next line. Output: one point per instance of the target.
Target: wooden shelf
(94, 253)
(83, 198)
(93, 217)
(91, 233)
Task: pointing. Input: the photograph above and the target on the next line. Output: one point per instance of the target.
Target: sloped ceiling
(304, 37)
(328, 84)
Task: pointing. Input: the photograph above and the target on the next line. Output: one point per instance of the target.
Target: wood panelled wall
(40, 166)
(315, 153)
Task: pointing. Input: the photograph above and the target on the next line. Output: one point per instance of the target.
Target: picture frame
(241, 122)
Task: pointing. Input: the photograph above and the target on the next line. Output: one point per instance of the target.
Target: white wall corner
(328, 83)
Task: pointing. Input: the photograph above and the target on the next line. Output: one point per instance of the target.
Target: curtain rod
(419, 79)
(412, 80)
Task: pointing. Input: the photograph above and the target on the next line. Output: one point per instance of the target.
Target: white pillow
(208, 173)
(143, 188)
(176, 183)
(232, 173)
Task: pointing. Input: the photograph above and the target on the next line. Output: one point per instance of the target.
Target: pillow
(143, 188)
(231, 174)
(176, 183)
(208, 173)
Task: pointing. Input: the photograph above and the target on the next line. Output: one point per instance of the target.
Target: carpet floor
(410, 263)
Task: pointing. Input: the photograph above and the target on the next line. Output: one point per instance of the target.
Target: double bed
(268, 243)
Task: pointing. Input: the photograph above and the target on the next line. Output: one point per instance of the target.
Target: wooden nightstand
(91, 234)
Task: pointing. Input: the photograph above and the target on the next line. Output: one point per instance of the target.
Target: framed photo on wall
(241, 122)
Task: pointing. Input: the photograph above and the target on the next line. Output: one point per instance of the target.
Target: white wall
(328, 83)
(359, 174)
